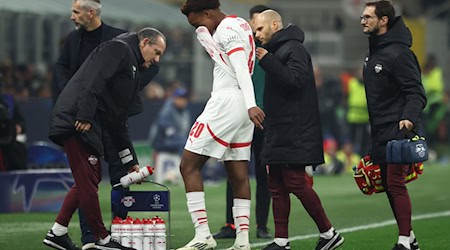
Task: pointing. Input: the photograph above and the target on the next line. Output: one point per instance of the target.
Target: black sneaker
(414, 245)
(330, 244)
(263, 233)
(226, 232)
(399, 247)
(274, 246)
(59, 242)
(112, 245)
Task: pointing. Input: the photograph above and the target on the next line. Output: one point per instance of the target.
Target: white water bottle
(135, 177)
(116, 229)
(149, 234)
(160, 234)
(138, 234)
(126, 237)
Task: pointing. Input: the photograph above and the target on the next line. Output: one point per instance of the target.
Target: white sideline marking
(360, 228)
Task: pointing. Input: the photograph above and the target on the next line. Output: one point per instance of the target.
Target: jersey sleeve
(230, 40)
(233, 44)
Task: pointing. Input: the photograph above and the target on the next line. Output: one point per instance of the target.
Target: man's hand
(82, 126)
(406, 124)
(257, 116)
(134, 168)
(260, 53)
(18, 129)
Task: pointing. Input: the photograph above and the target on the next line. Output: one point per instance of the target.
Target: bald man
(293, 137)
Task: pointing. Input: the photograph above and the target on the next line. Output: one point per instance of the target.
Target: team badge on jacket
(378, 68)
(93, 160)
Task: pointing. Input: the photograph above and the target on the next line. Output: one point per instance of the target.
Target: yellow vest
(433, 83)
(357, 104)
(348, 163)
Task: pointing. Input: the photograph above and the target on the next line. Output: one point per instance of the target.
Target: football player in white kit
(224, 129)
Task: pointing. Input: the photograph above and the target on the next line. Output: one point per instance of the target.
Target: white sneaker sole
(200, 245)
(246, 247)
(54, 245)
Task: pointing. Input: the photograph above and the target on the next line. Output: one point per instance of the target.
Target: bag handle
(415, 136)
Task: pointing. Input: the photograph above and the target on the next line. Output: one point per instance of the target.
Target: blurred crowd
(25, 80)
(28, 80)
(345, 120)
(342, 101)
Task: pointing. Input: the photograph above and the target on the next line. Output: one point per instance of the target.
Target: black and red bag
(368, 175)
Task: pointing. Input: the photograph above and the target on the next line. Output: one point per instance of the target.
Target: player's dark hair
(258, 9)
(190, 6)
(383, 8)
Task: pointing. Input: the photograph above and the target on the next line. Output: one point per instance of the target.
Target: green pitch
(366, 222)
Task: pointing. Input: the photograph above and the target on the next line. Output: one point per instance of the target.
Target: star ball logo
(128, 201)
(156, 198)
(156, 203)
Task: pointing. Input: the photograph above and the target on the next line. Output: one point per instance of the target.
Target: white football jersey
(231, 35)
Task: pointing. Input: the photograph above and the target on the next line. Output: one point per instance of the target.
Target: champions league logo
(156, 202)
(128, 201)
(156, 198)
(420, 150)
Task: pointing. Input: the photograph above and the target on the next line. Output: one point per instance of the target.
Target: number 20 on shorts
(197, 129)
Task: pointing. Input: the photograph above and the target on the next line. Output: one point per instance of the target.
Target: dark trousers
(116, 171)
(286, 179)
(262, 190)
(14, 156)
(393, 177)
(360, 136)
(87, 173)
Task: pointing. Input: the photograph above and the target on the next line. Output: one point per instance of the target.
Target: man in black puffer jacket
(98, 98)
(293, 137)
(395, 100)
(89, 32)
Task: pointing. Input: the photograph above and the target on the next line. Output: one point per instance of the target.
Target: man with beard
(293, 137)
(89, 32)
(395, 100)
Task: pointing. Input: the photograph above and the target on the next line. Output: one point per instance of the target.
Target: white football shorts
(223, 130)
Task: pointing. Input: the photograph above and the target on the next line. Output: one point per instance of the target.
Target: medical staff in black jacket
(98, 98)
(395, 100)
(293, 137)
(89, 32)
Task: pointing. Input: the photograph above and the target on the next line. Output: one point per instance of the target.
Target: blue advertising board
(40, 190)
